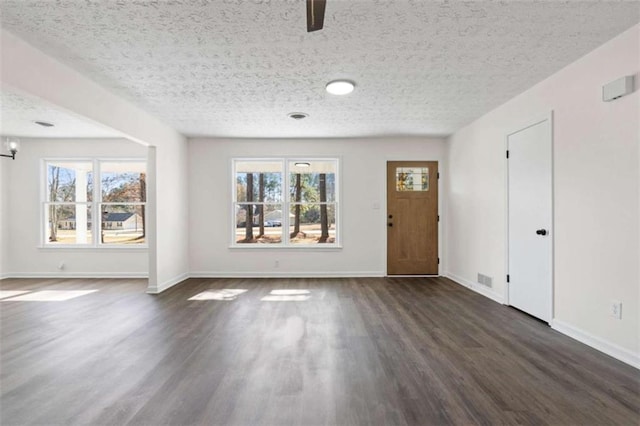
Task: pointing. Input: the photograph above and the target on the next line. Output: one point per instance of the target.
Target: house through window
(94, 202)
(285, 202)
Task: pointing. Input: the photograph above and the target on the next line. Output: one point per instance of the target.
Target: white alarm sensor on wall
(617, 89)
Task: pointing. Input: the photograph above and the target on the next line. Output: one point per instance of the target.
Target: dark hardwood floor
(352, 351)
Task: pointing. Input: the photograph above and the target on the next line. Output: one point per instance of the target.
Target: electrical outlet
(615, 309)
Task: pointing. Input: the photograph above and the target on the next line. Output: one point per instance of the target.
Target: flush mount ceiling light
(43, 123)
(300, 164)
(298, 115)
(340, 87)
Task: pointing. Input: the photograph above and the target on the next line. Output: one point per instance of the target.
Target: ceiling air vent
(298, 115)
(43, 123)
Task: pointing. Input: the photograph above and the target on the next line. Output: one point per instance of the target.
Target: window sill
(318, 247)
(93, 248)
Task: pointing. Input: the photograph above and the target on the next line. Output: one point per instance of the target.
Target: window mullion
(286, 203)
(97, 199)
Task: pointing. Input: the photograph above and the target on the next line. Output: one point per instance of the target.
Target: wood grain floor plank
(392, 351)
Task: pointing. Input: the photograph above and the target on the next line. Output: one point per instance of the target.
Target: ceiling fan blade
(315, 14)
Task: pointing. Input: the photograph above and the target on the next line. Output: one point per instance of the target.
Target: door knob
(541, 232)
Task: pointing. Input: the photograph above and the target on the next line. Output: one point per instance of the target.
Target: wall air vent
(485, 280)
(617, 89)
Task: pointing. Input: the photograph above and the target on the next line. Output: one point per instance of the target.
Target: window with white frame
(285, 202)
(94, 203)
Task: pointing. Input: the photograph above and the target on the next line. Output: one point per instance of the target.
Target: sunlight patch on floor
(291, 292)
(292, 295)
(224, 294)
(49, 296)
(10, 293)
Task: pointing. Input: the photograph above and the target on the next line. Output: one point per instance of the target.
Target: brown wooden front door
(412, 218)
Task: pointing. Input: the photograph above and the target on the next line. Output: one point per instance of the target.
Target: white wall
(22, 209)
(596, 195)
(4, 187)
(21, 68)
(363, 177)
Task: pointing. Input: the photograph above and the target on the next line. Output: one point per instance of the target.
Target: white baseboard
(478, 288)
(611, 349)
(272, 274)
(412, 276)
(167, 284)
(75, 275)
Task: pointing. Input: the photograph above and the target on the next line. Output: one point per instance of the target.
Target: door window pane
(412, 179)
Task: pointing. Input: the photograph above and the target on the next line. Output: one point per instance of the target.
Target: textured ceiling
(236, 67)
(18, 113)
